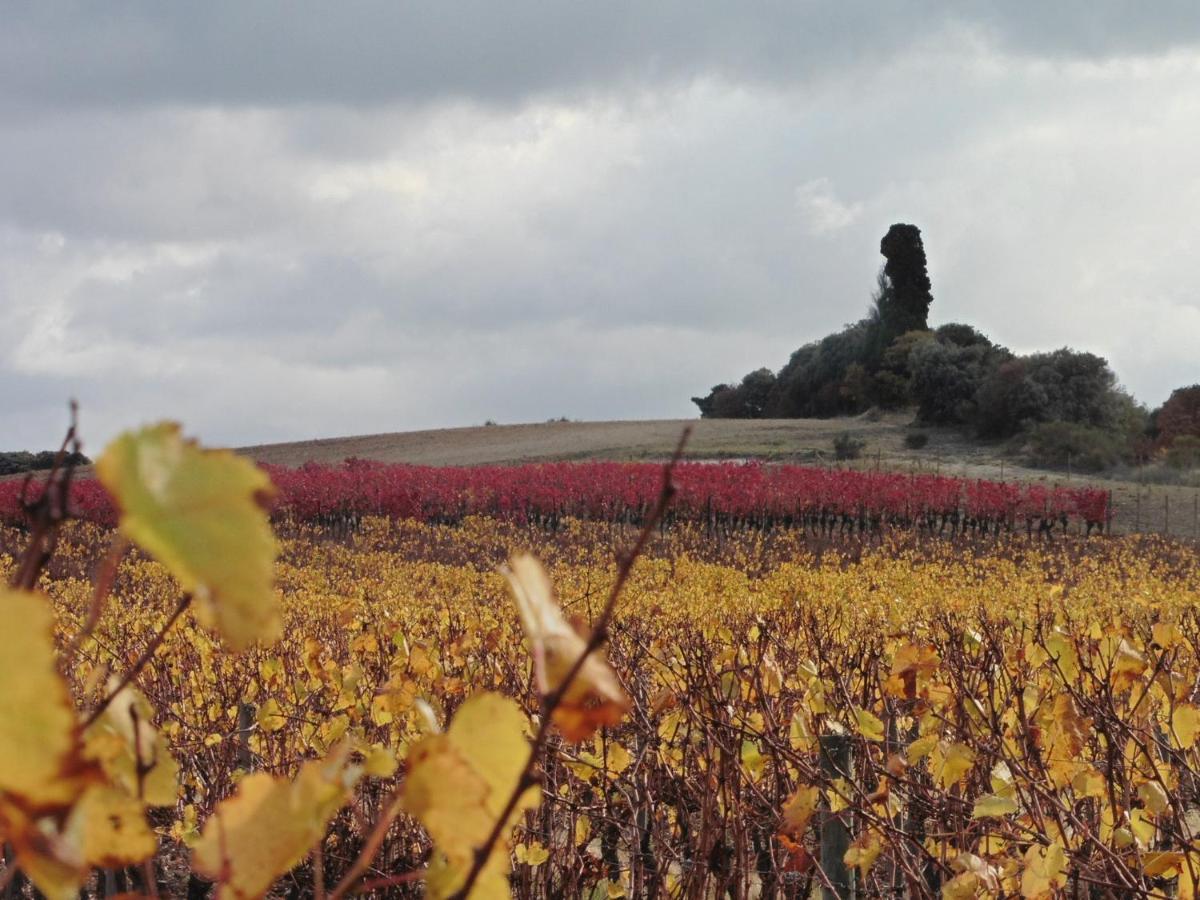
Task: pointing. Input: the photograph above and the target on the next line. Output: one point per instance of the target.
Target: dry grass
(711, 439)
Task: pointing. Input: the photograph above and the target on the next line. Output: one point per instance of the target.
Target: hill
(777, 439)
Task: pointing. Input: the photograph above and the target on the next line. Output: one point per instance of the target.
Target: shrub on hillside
(946, 376)
(810, 385)
(747, 400)
(916, 440)
(1083, 447)
(1062, 386)
(847, 446)
(961, 335)
(1184, 452)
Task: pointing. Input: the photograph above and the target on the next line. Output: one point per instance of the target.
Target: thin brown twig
(318, 865)
(47, 512)
(392, 881)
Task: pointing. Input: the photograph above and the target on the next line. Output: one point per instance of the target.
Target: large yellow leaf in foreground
(270, 825)
(595, 697)
(199, 512)
(55, 811)
(40, 768)
(458, 784)
(109, 827)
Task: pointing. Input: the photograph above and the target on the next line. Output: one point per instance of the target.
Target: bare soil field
(1170, 509)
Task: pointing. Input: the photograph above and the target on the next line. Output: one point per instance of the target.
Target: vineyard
(194, 701)
(719, 495)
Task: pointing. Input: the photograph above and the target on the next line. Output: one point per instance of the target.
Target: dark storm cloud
(282, 221)
(279, 53)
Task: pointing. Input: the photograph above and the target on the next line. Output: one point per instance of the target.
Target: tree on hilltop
(903, 301)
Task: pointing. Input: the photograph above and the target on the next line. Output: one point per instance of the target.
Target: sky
(277, 221)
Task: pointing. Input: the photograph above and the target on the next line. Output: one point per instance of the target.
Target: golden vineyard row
(1011, 724)
(968, 722)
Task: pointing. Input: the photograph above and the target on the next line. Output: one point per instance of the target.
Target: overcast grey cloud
(279, 221)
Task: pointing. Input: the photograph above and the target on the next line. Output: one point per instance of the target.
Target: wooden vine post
(835, 835)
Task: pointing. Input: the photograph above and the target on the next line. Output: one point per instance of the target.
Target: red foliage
(611, 491)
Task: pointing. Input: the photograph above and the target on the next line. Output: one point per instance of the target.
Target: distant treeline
(16, 462)
(1063, 406)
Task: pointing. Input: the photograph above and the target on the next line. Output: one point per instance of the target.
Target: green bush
(1083, 447)
(847, 446)
(915, 440)
(889, 390)
(1063, 386)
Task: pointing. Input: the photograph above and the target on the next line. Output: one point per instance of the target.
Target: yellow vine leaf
(994, 805)
(583, 830)
(753, 760)
(55, 809)
(1162, 863)
(911, 664)
(1166, 634)
(270, 824)
(123, 740)
(532, 855)
(379, 762)
(1045, 870)
(840, 794)
(199, 512)
(957, 760)
(109, 826)
(1151, 794)
(869, 724)
(864, 851)
(964, 886)
(1062, 651)
(1089, 783)
(1185, 724)
(920, 748)
(1141, 824)
(41, 769)
(458, 784)
(595, 697)
(1128, 663)
(618, 759)
(976, 873)
(270, 717)
(799, 809)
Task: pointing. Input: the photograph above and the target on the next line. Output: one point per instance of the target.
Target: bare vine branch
(46, 514)
(599, 635)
